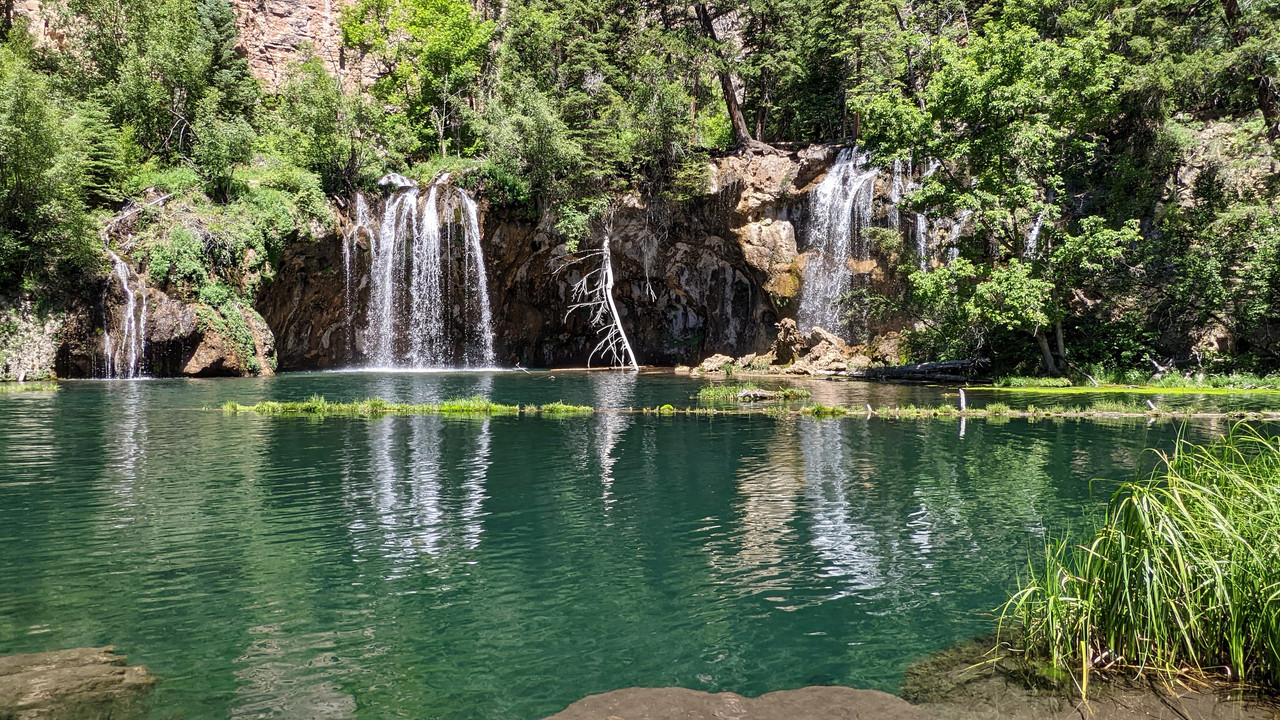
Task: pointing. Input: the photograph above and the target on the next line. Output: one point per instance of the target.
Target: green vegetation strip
(12, 387)
(317, 406)
(1183, 578)
(1211, 384)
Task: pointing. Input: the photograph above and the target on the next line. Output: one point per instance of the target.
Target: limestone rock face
(28, 340)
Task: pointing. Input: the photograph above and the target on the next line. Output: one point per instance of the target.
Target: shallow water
(503, 568)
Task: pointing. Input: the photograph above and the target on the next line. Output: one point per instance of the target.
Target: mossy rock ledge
(75, 684)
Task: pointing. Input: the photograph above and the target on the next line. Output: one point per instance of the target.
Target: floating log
(945, 371)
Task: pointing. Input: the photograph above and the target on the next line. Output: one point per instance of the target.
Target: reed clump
(1183, 577)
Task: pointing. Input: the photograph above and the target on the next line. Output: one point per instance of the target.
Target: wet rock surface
(76, 684)
(812, 703)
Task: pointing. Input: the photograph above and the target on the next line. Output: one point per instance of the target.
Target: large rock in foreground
(811, 703)
(81, 683)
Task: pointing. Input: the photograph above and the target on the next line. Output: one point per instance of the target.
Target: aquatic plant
(1182, 578)
(317, 406)
(1044, 382)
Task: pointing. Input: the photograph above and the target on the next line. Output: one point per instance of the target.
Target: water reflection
(836, 499)
(410, 462)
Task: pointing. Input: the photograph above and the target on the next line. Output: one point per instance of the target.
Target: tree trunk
(741, 134)
(1268, 96)
(1043, 340)
(1062, 345)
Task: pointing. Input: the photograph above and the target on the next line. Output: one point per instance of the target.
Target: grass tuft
(1183, 578)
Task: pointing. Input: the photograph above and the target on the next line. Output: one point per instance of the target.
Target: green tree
(44, 230)
(428, 53)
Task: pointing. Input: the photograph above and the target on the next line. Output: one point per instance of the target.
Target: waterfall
(348, 250)
(426, 316)
(1032, 248)
(922, 241)
(896, 189)
(840, 209)
(133, 330)
(957, 227)
(415, 291)
(476, 278)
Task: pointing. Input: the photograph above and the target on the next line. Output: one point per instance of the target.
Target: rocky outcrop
(818, 353)
(175, 338)
(277, 34)
(79, 683)
(811, 703)
(29, 337)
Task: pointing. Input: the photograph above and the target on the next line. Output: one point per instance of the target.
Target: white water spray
(410, 292)
(840, 210)
(133, 328)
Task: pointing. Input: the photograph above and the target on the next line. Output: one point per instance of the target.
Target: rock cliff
(712, 274)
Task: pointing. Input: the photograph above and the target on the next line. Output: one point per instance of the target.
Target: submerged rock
(811, 703)
(81, 683)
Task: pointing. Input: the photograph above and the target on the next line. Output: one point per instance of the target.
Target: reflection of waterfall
(128, 442)
(124, 352)
(426, 486)
(847, 547)
(839, 211)
(422, 310)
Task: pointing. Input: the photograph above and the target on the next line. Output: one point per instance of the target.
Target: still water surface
(503, 568)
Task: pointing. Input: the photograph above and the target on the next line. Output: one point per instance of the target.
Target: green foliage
(428, 54)
(44, 229)
(342, 135)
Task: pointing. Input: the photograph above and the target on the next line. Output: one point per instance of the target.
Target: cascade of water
(410, 288)
(387, 273)
(426, 313)
(840, 209)
(957, 227)
(133, 328)
(922, 241)
(478, 283)
(896, 189)
(1033, 238)
(348, 250)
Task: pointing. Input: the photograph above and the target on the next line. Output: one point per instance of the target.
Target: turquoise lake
(435, 567)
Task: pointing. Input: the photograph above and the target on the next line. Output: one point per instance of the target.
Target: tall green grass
(1184, 576)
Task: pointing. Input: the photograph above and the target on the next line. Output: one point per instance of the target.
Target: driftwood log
(946, 371)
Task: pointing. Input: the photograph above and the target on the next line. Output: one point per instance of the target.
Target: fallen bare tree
(594, 292)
